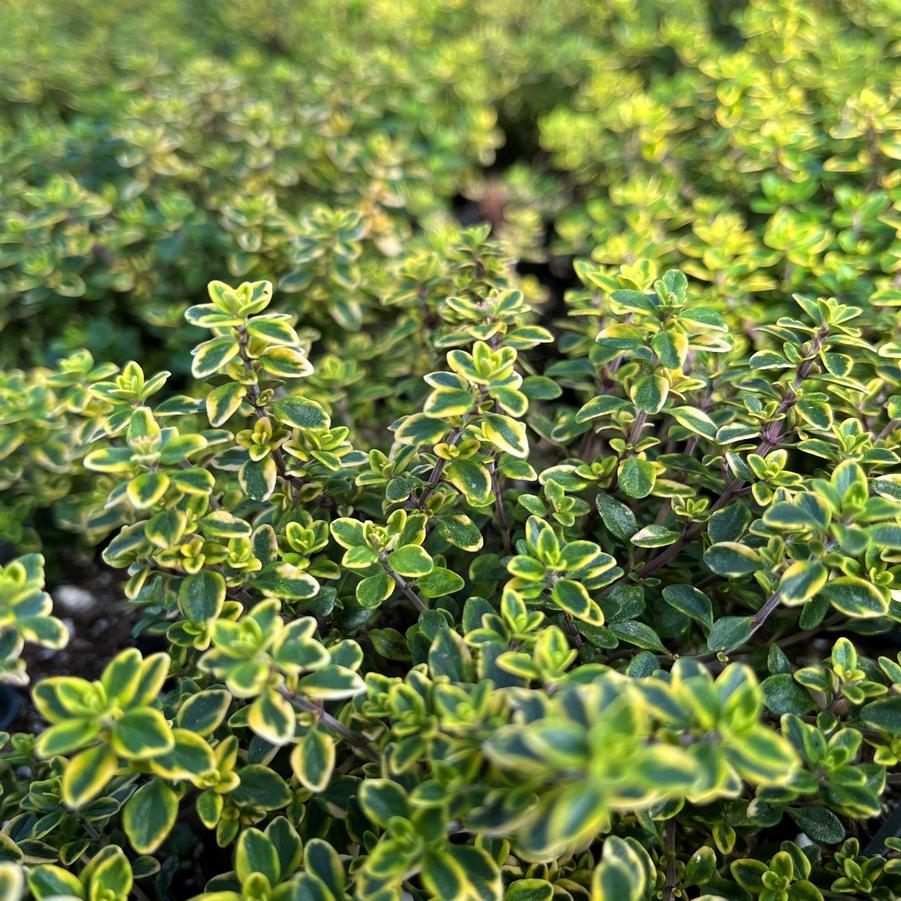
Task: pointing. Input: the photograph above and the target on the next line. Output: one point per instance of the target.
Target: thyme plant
(538, 635)
(491, 414)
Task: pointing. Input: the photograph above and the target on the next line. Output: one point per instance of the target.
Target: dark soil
(89, 600)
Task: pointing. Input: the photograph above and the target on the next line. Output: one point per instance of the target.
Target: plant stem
(761, 616)
(355, 739)
(499, 507)
(452, 440)
(253, 396)
(688, 535)
(769, 439)
(809, 633)
(572, 630)
(669, 891)
(406, 588)
(439, 467)
(890, 427)
(637, 426)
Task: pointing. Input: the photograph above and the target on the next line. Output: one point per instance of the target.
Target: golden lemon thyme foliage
(532, 643)
(457, 571)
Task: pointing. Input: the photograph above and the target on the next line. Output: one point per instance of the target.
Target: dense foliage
(552, 557)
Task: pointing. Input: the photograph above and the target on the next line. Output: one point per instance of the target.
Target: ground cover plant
(491, 413)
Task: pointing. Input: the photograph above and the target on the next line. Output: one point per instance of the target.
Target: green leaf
(373, 590)
(382, 799)
(272, 718)
(359, 557)
(272, 330)
(178, 448)
(649, 393)
(348, 532)
(48, 881)
(286, 581)
(761, 756)
(617, 517)
(729, 523)
(330, 683)
(109, 459)
(154, 671)
(530, 890)
(209, 807)
(213, 355)
(696, 421)
(471, 479)
(572, 597)
(655, 535)
(257, 478)
(141, 733)
(801, 581)
(635, 300)
(728, 558)
(689, 600)
(443, 876)
(256, 854)
(460, 531)
(285, 362)
(419, 429)
(86, 775)
(300, 413)
(638, 634)
(321, 860)
(664, 346)
(817, 414)
(389, 643)
(313, 760)
(59, 698)
(749, 874)
(166, 528)
(448, 402)
(149, 815)
(439, 583)
(203, 711)
(66, 737)
(729, 632)
(110, 874)
(790, 517)
(818, 823)
(603, 405)
(411, 560)
(701, 866)
(223, 402)
(886, 536)
(192, 481)
(146, 489)
(449, 656)
(506, 434)
(637, 477)
(261, 787)
(201, 596)
(855, 597)
(620, 875)
(884, 715)
(848, 478)
(782, 694)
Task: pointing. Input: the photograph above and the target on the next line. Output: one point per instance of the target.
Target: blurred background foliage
(337, 147)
